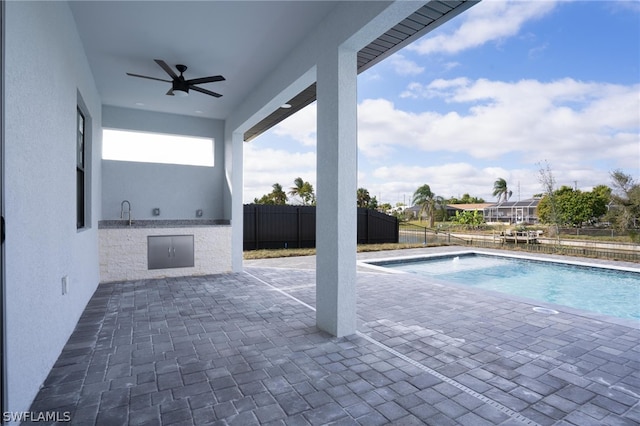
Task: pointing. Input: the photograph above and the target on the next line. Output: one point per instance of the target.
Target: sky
(501, 91)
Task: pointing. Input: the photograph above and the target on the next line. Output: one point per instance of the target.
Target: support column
(336, 219)
(237, 207)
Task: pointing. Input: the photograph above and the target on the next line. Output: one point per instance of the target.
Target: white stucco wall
(177, 190)
(45, 70)
(123, 252)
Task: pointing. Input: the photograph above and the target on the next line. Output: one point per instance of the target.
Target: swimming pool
(614, 292)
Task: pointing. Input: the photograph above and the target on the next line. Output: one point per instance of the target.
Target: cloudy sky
(497, 92)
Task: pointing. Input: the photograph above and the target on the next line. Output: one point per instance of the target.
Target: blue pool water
(601, 290)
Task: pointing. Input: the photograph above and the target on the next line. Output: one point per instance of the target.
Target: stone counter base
(123, 252)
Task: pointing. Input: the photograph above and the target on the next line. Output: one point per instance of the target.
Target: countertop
(170, 223)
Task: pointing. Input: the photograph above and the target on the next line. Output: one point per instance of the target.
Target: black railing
(411, 233)
(416, 234)
(270, 227)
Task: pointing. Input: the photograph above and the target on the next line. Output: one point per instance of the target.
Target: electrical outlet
(65, 285)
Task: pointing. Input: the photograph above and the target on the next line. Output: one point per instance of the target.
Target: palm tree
(304, 190)
(297, 188)
(501, 190)
(363, 197)
(427, 201)
(278, 195)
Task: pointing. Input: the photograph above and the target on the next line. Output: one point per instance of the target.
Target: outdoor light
(180, 93)
(180, 89)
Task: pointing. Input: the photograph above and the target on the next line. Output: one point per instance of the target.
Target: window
(80, 172)
(122, 145)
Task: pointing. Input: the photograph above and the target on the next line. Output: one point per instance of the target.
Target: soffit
(421, 22)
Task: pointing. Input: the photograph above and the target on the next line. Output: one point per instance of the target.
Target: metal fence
(592, 232)
(270, 227)
(415, 234)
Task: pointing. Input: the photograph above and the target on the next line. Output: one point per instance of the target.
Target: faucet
(128, 211)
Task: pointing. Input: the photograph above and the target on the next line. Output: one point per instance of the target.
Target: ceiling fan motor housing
(179, 85)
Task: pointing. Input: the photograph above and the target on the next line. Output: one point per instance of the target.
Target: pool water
(606, 291)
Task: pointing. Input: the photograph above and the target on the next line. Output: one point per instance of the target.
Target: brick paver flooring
(243, 349)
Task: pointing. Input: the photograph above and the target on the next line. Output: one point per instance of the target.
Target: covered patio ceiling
(244, 41)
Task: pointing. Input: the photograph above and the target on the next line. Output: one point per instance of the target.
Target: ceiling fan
(180, 86)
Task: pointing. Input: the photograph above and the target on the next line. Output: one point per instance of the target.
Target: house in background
(474, 207)
(64, 68)
(513, 212)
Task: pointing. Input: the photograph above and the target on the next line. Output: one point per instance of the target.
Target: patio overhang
(422, 21)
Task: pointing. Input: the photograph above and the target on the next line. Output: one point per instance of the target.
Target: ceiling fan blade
(205, 91)
(170, 92)
(150, 78)
(166, 68)
(203, 80)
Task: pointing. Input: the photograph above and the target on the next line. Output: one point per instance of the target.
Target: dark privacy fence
(268, 227)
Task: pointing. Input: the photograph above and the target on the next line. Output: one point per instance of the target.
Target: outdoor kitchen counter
(171, 223)
(124, 248)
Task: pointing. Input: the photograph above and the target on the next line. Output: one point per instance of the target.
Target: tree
(363, 197)
(428, 201)
(304, 190)
(276, 197)
(501, 190)
(373, 203)
(574, 207)
(624, 214)
(548, 182)
(473, 218)
(466, 199)
(385, 207)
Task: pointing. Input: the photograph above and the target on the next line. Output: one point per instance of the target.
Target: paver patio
(243, 349)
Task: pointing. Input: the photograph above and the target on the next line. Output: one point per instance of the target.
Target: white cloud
(301, 126)
(537, 120)
(624, 6)
(395, 183)
(582, 128)
(403, 66)
(265, 166)
(537, 51)
(488, 21)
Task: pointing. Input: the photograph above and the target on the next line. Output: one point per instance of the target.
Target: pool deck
(243, 349)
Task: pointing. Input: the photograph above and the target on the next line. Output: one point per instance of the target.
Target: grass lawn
(269, 254)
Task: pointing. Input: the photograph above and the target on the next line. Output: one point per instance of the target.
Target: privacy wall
(273, 227)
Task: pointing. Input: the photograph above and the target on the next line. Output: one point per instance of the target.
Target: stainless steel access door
(170, 251)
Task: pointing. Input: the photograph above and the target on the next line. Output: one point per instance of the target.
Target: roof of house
(469, 207)
(529, 202)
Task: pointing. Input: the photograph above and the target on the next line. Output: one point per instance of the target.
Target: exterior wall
(46, 71)
(177, 190)
(123, 252)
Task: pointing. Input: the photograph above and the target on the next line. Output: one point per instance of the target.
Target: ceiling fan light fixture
(180, 93)
(180, 89)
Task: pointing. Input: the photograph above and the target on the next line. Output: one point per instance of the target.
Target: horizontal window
(123, 145)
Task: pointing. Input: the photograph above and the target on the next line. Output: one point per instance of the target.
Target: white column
(336, 219)
(237, 216)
